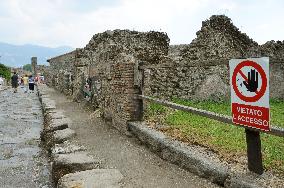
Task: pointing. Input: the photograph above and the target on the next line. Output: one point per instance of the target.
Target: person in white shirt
(1, 81)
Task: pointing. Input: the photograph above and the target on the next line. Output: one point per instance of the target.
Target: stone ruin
(119, 64)
(200, 69)
(108, 65)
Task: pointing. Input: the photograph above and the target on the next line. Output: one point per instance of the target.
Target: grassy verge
(227, 140)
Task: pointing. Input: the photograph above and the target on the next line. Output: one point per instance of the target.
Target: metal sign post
(249, 79)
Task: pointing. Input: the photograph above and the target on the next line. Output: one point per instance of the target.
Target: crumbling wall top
(147, 46)
(72, 53)
(274, 49)
(218, 38)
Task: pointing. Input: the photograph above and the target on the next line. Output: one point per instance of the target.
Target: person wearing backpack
(14, 81)
(31, 83)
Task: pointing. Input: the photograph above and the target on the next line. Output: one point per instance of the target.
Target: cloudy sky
(73, 22)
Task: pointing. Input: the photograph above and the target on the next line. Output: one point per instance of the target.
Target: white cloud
(58, 22)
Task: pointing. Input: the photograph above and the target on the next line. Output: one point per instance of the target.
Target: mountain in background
(19, 55)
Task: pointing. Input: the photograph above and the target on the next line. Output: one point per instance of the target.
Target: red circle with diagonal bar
(259, 93)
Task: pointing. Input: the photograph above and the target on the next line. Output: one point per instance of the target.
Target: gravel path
(22, 162)
(140, 167)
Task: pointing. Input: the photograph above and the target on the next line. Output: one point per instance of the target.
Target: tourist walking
(31, 83)
(1, 81)
(26, 83)
(14, 80)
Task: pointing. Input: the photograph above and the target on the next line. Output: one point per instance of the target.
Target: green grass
(228, 140)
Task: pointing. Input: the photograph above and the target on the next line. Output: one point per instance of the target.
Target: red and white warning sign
(249, 80)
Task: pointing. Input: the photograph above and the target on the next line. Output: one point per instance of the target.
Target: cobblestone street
(22, 161)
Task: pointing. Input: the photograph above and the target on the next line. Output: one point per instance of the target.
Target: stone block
(53, 111)
(66, 147)
(62, 135)
(57, 137)
(48, 104)
(48, 108)
(103, 178)
(57, 124)
(46, 99)
(49, 116)
(72, 162)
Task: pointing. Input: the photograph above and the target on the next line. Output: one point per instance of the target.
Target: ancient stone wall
(275, 50)
(80, 73)
(109, 65)
(117, 65)
(114, 57)
(200, 70)
(61, 70)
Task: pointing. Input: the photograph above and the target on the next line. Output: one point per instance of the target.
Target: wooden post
(254, 151)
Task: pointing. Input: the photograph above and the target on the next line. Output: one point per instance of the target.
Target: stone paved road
(22, 162)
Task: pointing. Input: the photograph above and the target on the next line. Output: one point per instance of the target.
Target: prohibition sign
(238, 70)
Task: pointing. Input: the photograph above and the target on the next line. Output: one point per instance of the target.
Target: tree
(27, 67)
(5, 72)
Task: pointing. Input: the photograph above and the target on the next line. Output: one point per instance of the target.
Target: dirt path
(140, 167)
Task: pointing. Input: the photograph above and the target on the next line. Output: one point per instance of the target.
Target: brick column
(34, 64)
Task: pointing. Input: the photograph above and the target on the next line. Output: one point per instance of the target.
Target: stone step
(56, 115)
(57, 124)
(58, 137)
(72, 162)
(50, 116)
(103, 178)
(54, 111)
(66, 147)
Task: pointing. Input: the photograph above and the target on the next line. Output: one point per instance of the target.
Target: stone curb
(178, 153)
(184, 156)
(56, 131)
(70, 160)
